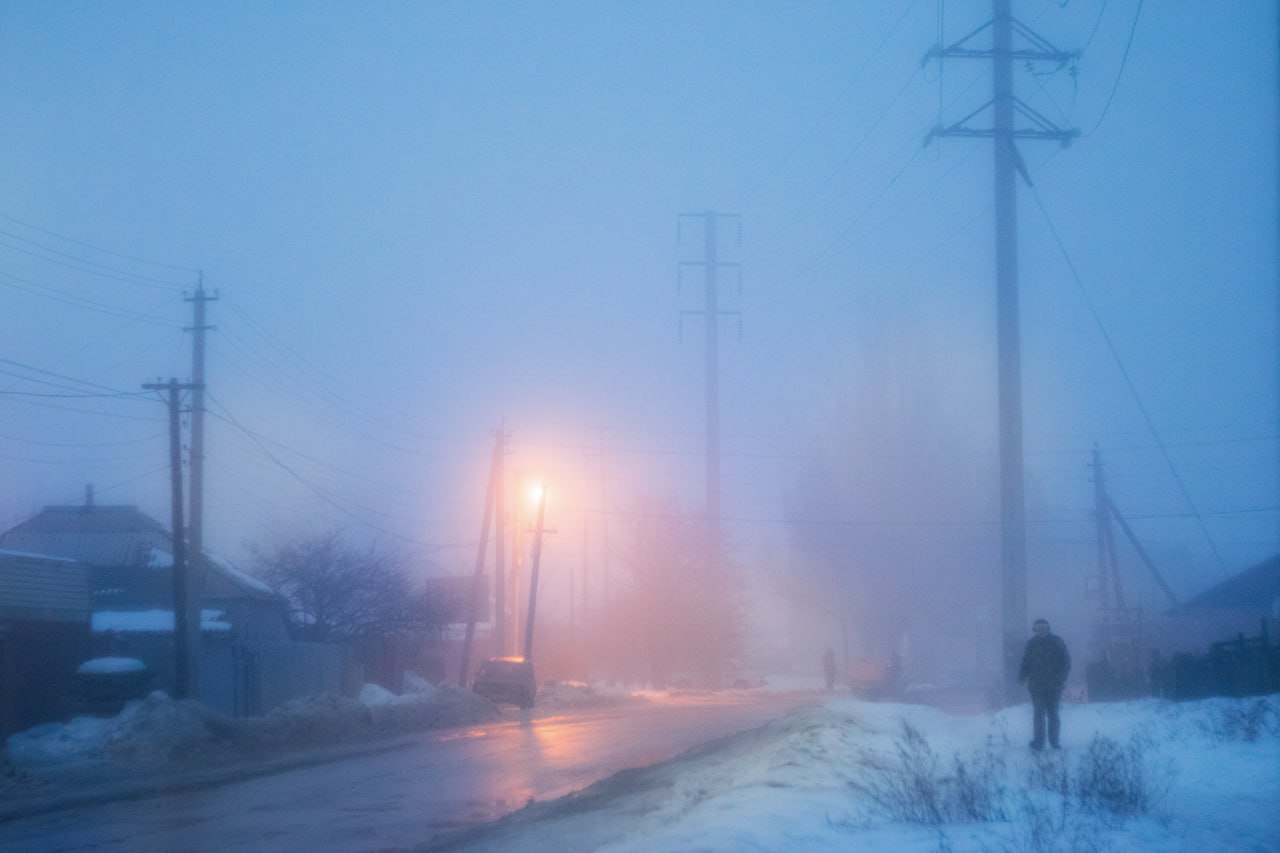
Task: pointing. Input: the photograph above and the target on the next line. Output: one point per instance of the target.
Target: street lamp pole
(533, 575)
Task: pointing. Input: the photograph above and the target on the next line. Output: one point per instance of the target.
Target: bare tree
(337, 592)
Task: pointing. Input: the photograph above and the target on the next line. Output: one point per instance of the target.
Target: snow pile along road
(159, 730)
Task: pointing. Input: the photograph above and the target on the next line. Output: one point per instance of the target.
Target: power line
(53, 294)
(111, 273)
(302, 369)
(1119, 74)
(85, 445)
(827, 184)
(839, 238)
(72, 379)
(137, 278)
(121, 255)
(1133, 390)
(231, 420)
(831, 107)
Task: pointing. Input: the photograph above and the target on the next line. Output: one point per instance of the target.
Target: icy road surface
(433, 784)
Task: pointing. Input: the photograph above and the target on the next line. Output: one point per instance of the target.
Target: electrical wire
(22, 366)
(806, 208)
(24, 285)
(839, 238)
(804, 138)
(85, 445)
(260, 443)
(1119, 74)
(1133, 390)
(63, 237)
(117, 273)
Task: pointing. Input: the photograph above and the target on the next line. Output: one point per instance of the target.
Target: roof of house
(95, 535)
(114, 537)
(43, 589)
(1255, 588)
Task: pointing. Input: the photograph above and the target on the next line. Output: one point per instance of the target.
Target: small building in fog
(45, 625)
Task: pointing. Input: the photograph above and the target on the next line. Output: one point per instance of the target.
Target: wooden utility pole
(604, 531)
(533, 576)
(1108, 569)
(477, 578)
(181, 596)
(499, 551)
(585, 633)
(197, 569)
(1005, 107)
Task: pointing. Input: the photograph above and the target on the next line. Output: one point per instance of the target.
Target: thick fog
(427, 222)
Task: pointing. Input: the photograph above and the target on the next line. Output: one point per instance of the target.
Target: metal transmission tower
(1006, 108)
(711, 313)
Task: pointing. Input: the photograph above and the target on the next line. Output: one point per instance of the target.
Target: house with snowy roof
(247, 660)
(130, 560)
(1245, 604)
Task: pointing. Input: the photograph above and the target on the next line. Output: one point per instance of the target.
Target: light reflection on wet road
(435, 783)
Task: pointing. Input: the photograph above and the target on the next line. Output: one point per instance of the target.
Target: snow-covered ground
(851, 775)
(840, 774)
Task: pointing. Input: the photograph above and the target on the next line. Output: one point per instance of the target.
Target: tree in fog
(680, 611)
(336, 591)
(892, 516)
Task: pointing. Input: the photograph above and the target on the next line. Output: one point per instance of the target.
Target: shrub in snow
(1243, 719)
(1112, 780)
(1058, 802)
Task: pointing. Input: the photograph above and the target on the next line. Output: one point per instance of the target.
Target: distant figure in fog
(1045, 664)
(829, 668)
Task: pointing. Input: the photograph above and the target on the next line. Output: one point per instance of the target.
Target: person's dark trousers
(1044, 706)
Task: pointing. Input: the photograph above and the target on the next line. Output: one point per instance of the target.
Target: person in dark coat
(1045, 664)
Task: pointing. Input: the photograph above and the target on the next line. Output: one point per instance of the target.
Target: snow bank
(159, 729)
(145, 731)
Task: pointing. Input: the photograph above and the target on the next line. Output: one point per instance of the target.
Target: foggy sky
(426, 220)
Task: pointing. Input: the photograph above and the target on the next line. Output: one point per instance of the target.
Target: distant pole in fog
(477, 578)
(585, 633)
(604, 528)
(499, 556)
(711, 314)
(1008, 164)
(195, 522)
(534, 565)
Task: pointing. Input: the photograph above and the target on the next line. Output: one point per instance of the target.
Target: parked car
(506, 680)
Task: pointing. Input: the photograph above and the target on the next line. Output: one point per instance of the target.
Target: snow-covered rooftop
(152, 621)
